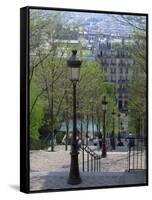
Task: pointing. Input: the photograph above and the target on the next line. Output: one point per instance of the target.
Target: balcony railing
(123, 81)
(122, 90)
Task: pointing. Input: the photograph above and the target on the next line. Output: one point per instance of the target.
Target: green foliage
(137, 87)
(35, 144)
(50, 88)
(59, 137)
(37, 114)
(109, 92)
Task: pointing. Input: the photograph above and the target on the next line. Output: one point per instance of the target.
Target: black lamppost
(91, 104)
(113, 131)
(104, 108)
(74, 177)
(118, 127)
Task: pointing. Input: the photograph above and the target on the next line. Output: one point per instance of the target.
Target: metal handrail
(93, 164)
(90, 151)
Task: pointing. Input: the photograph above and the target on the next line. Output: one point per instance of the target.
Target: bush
(59, 137)
(36, 144)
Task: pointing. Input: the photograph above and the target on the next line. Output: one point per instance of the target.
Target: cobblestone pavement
(49, 170)
(60, 161)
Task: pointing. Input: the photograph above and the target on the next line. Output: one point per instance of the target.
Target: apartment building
(115, 56)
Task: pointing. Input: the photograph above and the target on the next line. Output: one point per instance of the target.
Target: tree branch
(36, 65)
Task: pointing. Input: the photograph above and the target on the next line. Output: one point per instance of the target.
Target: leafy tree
(48, 72)
(137, 86)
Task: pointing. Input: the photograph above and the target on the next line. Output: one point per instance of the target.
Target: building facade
(115, 56)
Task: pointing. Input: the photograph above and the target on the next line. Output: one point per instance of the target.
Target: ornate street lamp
(113, 131)
(104, 108)
(74, 177)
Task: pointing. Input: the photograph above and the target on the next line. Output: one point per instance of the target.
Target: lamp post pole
(104, 153)
(113, 131)
(118, 127)
(104, 104)
(91, 104)
(74, 175)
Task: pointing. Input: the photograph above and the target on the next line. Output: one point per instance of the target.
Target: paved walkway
(59, 161)
(43, 180)
(50, 170)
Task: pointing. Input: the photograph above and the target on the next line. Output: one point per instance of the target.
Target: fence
(92, 163)
(134, 158)
(136, 154)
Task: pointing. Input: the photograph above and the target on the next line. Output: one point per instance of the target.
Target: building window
(113, 70)
(121, 86)
(113, 77)
(121, 70)
(113, 61)
(105, 69)
(120, 104)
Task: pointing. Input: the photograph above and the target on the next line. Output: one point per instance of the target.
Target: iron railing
(91, 161)
(136, 154)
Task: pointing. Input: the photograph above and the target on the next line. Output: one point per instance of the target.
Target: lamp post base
(74, 176)
(74, 181)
